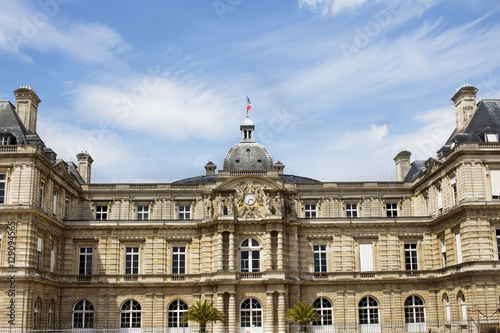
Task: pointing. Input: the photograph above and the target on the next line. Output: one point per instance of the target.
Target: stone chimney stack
(210, 167)
(84, 166)
(27, 107)
(280, 167)
(402, 165)
(465, 105)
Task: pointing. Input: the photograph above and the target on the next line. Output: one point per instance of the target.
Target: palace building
(417, 253)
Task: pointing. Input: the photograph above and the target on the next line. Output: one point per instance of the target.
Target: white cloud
(175, 108)
(368, 154)
(374, 136)
(331, 6)
(67, 140)
(25, 27)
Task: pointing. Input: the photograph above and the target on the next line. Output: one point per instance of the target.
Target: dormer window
(7, 140)
(489, 137)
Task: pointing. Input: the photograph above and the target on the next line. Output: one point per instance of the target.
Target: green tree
(203, 313)
(302, 314)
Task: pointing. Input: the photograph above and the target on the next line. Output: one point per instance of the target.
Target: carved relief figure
(220, 205)
(268, 204)
(230, 205)
(207, 207)
(278, 204)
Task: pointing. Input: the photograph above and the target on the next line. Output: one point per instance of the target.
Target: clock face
(249, 199)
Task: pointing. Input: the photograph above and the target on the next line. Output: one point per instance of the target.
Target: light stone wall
(213, 258)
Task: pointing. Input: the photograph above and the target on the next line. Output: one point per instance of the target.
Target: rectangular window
(39, 247)
(184, 212)
(319, 258)
(490, 137)
(366, 257)
(440, 200)
(443, 253)
(458, 243)
(66, 209)
(54, 204)
(310, 211)
(454, 192)
(351, 210)
(495, 184)
(101, 212)
(426, 203)
(179, 260)
(52, 257)
(411, 262)
(42, 193)
(392, 209)
(85, 261)
(132, 260)
(4, 140)
(143, 212)
(2, 187)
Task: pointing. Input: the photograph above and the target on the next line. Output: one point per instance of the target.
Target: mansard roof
(486, 119)
(11, 124)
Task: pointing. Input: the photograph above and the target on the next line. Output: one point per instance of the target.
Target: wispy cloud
(25, 28)
(331, 6)
(160, 105)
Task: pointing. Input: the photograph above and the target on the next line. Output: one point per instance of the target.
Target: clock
(249, 199)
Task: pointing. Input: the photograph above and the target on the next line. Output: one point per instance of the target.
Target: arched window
(463, 307)
(414, 310)
(83, 315)
(50, 316)
(175, 311)
(250, 255)
(447, 312)
(36, 309)
(251, 313)
(130, 314)
(324, 308)
(368, 311)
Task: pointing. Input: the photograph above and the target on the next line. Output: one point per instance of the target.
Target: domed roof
(248, 156)
(247, 122)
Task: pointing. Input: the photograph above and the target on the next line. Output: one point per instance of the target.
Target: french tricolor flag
(249, 104)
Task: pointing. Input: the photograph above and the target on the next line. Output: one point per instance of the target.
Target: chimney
(465, 105)
(280, 167)
(84, 163)
(402, 165)
(210, 167)
(27, 107)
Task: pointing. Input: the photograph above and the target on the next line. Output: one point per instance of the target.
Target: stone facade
(252, 241)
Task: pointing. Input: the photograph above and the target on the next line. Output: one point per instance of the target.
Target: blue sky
(155, 89)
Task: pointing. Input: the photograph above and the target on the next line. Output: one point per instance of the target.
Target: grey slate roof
(11, 124)
(486, 119)
(207, 179)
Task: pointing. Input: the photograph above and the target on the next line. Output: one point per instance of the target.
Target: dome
(248, 156)
(247, 122)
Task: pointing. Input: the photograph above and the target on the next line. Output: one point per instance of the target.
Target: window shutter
(39, 246)
(440, 199)
(495, 182)
(366, 257)
(459, 248)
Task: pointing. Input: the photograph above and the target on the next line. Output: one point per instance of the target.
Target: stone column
(280, 250)
(220, 255)
(231, 253)
(219, 326)
(232, 311)
(281, 312)
(269, 313)
(269, 252)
